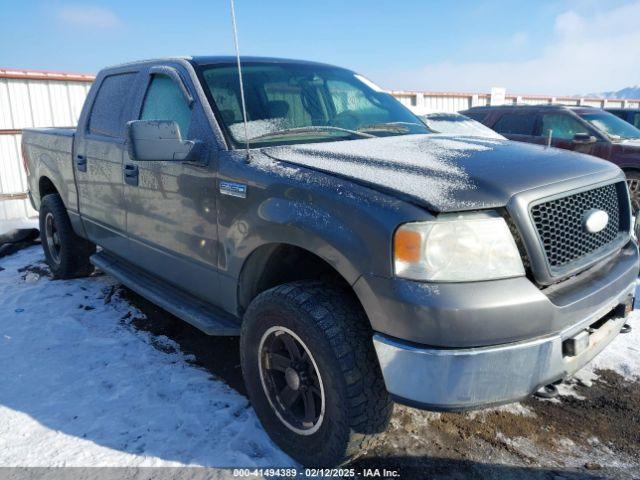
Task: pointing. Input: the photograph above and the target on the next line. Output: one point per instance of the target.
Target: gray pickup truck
(361, 258)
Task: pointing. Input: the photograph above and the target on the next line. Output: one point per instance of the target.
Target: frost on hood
(427, 167)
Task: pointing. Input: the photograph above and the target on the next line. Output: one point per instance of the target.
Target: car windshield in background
(614, 127)
(457, 124)
(290, 103)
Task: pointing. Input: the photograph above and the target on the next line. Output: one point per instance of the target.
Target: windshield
(457, 124)
(614, 127)
(301, 103)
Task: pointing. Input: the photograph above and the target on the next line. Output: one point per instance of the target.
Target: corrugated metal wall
(430, 102)
(33, 99)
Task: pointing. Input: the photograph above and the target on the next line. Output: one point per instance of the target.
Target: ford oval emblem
(595, 221)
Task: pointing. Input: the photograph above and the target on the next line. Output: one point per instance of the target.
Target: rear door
(98, 158)
(171, 205)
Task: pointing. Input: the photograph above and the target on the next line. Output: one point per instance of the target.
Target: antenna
(549, 136)
(244, 107)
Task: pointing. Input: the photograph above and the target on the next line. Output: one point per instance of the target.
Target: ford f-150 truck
(361, 258)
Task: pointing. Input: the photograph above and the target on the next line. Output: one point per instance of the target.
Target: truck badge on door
(233, 189)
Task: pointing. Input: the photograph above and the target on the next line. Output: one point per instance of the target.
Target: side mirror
(159, 140)
(584, 139)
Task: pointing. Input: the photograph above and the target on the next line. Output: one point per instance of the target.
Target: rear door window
(112, 105)
(561, 126)
(516, 124)
(164, 101)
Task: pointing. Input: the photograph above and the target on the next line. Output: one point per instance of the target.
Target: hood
(441, 172)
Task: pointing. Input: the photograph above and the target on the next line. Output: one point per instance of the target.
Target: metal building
(33, 99)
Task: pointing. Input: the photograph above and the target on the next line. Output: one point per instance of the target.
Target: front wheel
(66, 253)
(312, 374)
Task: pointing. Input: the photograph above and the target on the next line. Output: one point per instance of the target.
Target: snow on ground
(79, 386)
(7, 226)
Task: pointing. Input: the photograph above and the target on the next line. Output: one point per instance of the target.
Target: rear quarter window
(619, 113)
(516, 124)
(108, 112)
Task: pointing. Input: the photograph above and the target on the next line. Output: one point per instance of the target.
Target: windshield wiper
(310, 129)
(389, 127)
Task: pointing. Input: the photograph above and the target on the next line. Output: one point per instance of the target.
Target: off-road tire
(74, 251)
(333, 326)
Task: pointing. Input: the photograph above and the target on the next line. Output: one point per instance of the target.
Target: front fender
(282, 221)
(348, 225)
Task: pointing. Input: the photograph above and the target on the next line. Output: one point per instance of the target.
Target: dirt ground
(595, 434)
(592, 434)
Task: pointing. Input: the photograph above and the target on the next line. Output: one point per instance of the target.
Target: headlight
(457, 248)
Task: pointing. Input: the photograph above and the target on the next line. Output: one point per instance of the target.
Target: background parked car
(630, 115)
(582, 129)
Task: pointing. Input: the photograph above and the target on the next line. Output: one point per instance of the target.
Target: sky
(556, 47)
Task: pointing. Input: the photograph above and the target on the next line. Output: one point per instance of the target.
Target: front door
(561, 128)
(98, 158)
(171, 205)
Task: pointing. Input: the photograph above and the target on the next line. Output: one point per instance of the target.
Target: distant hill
(629, 92)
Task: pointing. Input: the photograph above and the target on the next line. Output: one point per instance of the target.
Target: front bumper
(445, 376)
(464, 379)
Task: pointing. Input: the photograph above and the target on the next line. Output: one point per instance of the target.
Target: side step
(207, 318)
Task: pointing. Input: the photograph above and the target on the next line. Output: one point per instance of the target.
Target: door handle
(81, 163)
(131, 174)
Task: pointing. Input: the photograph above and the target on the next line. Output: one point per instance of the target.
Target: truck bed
(49, 153)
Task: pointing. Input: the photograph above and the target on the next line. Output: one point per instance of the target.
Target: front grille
(560, 225)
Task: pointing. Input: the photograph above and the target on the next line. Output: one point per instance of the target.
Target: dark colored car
(582, 129)
(360, 257)
(629, 115)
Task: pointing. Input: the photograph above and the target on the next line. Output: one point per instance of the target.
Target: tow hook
(626, 328)
(548, 391)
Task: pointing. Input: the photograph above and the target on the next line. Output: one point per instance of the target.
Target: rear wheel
(312, 374)
(65, 252)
